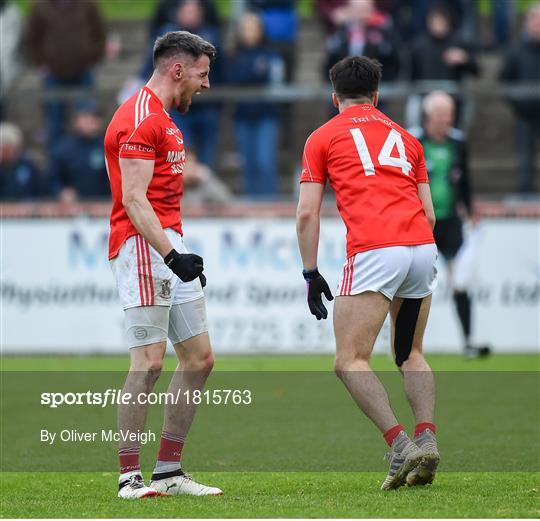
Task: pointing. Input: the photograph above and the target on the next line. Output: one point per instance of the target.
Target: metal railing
(303, 93)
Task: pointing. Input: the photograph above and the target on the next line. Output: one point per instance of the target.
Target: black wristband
(310, 274)
(170, 256)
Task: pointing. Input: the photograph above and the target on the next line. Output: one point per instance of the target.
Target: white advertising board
(58, 293)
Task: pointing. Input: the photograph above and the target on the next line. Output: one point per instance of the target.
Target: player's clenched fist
(186, 266)
(316, 285)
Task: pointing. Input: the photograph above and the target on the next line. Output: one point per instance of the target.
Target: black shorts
(448, 236)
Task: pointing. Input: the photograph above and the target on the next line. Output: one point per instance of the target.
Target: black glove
(186, 266)
(315, 286)
(203, 280)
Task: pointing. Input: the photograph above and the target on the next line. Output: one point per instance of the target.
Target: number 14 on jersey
(385, 158)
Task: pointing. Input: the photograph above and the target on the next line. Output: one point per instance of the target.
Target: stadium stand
(494, 162)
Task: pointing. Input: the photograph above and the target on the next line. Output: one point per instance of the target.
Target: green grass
(302, 429)
(526, 362)
(345, 495)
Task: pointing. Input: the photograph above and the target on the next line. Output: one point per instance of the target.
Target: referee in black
(446, 161)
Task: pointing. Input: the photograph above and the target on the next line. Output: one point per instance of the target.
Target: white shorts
(397, 271)
(143, 279)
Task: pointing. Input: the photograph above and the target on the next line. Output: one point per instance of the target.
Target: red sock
(170, 448)
(421, 427)
(129, 459)
(391, 434)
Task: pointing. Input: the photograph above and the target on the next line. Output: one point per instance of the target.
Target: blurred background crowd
(67, 64)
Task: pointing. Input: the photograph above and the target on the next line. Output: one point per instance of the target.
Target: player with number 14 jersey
(378, 174)
(374, 167)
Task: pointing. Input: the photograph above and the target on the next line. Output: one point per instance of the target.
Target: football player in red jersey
(159, 282)
(377, 171)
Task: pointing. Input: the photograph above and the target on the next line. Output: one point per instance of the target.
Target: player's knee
(415, 357)
(203, 363)
(147, 370)
(153, 370)
(345, 364)
(207, 363)
(339, 367)
(154, 366)
(415, 362)
(341, 364)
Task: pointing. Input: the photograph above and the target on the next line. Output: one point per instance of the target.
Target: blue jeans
(55, 110)
(258, 143)
(200, 130)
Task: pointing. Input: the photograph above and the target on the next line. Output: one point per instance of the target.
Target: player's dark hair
(356, 77)
(181, 42)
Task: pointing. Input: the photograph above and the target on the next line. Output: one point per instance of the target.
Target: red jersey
(142, 129)
(374, 167)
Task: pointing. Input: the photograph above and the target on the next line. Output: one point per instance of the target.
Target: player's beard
(183, 105)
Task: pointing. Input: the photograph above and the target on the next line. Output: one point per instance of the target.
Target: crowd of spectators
(415, 40)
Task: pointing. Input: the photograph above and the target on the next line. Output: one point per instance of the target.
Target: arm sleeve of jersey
(313, 162)
(141, 143)
(421, 170)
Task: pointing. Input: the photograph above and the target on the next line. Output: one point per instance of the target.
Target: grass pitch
(295, 494)
(516, 363)
(263, 495)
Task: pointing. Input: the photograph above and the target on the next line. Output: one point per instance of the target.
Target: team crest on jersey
(165, 289)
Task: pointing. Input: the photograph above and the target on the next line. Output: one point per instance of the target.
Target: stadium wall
(59, 296)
